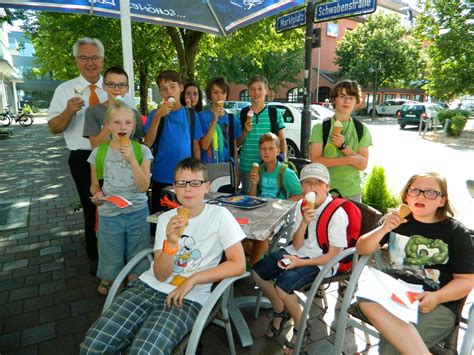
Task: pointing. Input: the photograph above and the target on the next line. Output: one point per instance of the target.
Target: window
(244, 95)
(405, 96)
(388, 97)
(332, 29)
(295, 95)
(418, 97)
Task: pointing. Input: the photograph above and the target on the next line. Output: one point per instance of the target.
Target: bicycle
(7, 117)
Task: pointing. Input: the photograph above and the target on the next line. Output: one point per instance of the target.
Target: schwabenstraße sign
(291, 20)
(343, 8)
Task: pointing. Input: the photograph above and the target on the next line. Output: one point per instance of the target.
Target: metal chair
(222, 177)
(351, 316)
(213, 311)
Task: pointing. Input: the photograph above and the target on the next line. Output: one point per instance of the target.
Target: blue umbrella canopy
(219, 17)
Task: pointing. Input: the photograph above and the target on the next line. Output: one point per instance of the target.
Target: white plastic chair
(215, 305)
(220, 175)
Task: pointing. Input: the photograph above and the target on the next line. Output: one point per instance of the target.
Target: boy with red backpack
(305, 256)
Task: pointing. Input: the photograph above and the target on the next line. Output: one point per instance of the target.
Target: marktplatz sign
(343, 8)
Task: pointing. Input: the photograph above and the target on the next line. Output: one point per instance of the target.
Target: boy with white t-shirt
(160, 308)
(304, 254)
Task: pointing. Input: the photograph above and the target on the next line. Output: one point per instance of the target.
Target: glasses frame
(420, 191)
(179, 183)
(116, 86)
(85, 59)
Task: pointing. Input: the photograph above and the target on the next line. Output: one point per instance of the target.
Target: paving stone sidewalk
(47, 297)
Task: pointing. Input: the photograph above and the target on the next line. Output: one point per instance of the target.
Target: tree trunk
(186, 43)
(143, 75)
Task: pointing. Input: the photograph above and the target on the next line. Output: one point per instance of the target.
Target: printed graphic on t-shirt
(187, 259)
(415, 254)
(119, 176)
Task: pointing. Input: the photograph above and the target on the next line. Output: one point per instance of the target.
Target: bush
(457, 125)
(376, 193)
(26, 109)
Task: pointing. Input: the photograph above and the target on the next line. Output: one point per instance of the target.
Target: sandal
(271, 328)
(290, 345)
(103, 287)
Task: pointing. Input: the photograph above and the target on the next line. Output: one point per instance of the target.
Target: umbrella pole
(127, 50)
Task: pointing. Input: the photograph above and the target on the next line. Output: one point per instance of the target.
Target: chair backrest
(222, 177)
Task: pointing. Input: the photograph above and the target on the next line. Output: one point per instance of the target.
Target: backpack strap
(323, 223)
(359, 128)
(191, 115)
(243, 116)
(99, 160)
(137, 151)
(159, 131)
(231, 135)
(272, 113)
(281, 186)
(326, 129)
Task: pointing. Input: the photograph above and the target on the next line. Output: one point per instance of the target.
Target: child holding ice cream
(427, 247)
(123, 232)
(218, 144)
(343, 150)
(279, 278)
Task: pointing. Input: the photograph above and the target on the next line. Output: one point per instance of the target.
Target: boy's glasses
(346, 97)
(84, 59)
(193, 183)
(428, 194)
(116, 86)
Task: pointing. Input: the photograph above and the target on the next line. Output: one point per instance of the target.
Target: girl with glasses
(429, 248)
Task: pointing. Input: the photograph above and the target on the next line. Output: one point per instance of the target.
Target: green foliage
(255, 49)
(457, 125)
(381, 42)
(376, 193)
(447, 113)
(27, 109)
(447, 27)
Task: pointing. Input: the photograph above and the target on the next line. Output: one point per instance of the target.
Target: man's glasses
(192, 183)
(116, 86)
(429, 194)
(84, 59)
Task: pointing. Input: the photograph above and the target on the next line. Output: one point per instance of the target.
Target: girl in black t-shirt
(427, 247)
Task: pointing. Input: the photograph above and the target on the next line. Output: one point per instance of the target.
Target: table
(272, 220)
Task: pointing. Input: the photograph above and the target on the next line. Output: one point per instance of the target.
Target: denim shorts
(287, 280)
(122, 237)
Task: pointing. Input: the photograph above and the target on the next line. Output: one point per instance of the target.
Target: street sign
(343, 8)
(291, 20)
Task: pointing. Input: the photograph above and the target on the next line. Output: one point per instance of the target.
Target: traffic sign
(291, 20)
(343, 8)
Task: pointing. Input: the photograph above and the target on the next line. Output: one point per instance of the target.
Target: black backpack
(272, 113)
(327, 127)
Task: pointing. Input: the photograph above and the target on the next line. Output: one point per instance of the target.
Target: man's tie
(93, 98)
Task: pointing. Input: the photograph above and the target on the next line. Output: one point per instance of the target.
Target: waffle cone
(124, 140)
(255, 167)
(337, 129)
(404, 210)
(184, 213)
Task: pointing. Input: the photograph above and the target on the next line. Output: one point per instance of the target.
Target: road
(403, 153)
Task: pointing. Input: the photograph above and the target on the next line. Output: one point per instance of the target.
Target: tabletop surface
(258, 223)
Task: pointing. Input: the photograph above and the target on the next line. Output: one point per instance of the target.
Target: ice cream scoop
(404, 210)
(220, 104)
(118, 98)
(255, 168)
(184, 213)
(337, 127)
(171, 100)
(79, 90)
(249, 116)
(310, 200)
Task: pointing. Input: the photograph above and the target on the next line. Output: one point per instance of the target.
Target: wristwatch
(168, 250)
(343, 146)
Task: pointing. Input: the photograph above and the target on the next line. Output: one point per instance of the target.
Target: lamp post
(378, 69)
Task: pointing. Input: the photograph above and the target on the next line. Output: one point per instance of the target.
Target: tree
(447, 27)
(382, 45)
(255, 49)
(53, 35)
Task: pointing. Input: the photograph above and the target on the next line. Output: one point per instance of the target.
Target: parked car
(414, 113)
(235, 106)
(292, 117)
(389, 107)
